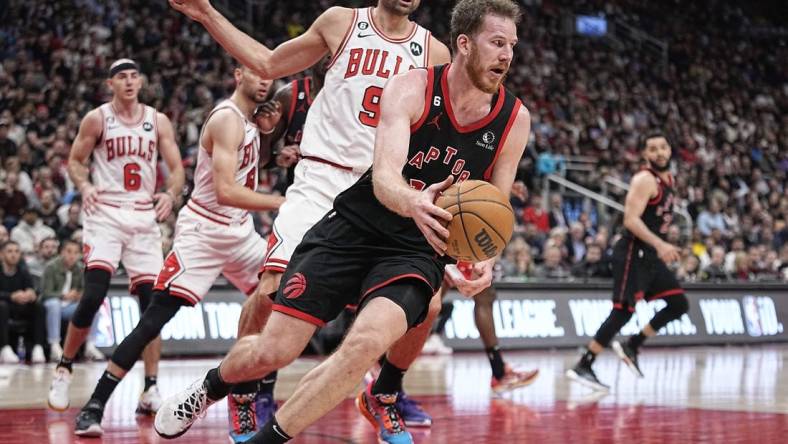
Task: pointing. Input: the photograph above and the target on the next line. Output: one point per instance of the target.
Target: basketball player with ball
(383, 245)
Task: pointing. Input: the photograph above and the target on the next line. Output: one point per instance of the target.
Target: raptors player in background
(214, 234)
(640, 263)
(367, 47)
(124, 138)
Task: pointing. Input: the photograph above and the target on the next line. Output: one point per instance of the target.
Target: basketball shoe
(629, 355)
(381, 411)
(89, 419)
(513, 379)
(584, 374)
(58, 390)
(150, 401)
(409, 408)
(178, 412)
(241, 409)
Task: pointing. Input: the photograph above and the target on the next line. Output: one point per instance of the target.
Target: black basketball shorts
(638, 273)
(337, 264)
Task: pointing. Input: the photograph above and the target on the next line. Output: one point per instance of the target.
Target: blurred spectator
(711, 218)
(535, 214)
(715, 271)
(17, 294)
(30, 231)
(61, 289)
(576, 242)
(689, 270)
(557, 213)
(7, 146)
(46, 250)
(12, 201)
(592, 265)
(552, 267)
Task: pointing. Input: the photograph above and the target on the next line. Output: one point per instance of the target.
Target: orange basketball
(482, 220)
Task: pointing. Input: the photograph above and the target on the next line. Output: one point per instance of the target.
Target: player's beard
(476, 73)
(251, 93)
(659, 168)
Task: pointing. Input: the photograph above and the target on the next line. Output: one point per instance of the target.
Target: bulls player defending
(124, 138)
(383, 248)
(367, 47)
(214, 234)
(640, 263)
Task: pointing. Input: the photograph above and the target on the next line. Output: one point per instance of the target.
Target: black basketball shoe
(584, 374)
(89, 419)
(629, 355)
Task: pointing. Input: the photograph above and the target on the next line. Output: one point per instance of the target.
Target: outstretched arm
(325, 35)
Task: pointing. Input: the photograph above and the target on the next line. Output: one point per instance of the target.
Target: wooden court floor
(689, 395)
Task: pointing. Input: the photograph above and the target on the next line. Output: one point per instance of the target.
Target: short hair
(468, 15)
(50, 238)
(651, 134)
(7, 243)
(67, 242)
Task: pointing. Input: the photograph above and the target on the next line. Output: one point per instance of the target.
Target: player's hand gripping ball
(482, 220)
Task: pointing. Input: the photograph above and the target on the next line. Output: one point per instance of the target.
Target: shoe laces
(244, 416)
(194, 406)
(392, 421)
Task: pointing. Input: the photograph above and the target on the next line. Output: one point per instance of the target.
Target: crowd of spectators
(720, 93)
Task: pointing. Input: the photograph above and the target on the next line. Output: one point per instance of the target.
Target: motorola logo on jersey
(416, 49)
(147, 126)
(373, 62)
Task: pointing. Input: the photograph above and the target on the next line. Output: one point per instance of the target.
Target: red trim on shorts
(427, 100)
(502, 142)
(274, 268)
(327, 162)
(666, 293)
(484, 121)
(183, 296)
(344, 40)
(293, 99)
(397, 278)
(137, 206)
(384, 36)
(626, 271)
(139, 280)
(621, 307)
(290, 311)
(185, 290)
(197, 210)
(102, 265)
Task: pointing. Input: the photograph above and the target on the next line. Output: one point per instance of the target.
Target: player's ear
(464, 44)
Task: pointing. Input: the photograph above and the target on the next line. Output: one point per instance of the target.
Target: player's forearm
(636, 226)
(392, 191)
(79, 174)
(175, 182)
(245, 49)
(241, 197)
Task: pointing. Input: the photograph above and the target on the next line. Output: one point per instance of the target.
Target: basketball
(482, 220)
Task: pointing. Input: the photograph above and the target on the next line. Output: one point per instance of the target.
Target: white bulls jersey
(124, 161)
(340, 126)
(204, 194)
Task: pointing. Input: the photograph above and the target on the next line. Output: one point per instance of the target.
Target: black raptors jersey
(300, 101)
(439, 146)
(658, 214)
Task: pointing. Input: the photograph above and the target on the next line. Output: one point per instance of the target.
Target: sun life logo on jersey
(415, 48)
(487, 141)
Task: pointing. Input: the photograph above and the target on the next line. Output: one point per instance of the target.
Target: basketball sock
(267, 383)
(635, 341)
(105, 387)
(271, 433)
(588, 358)
(150, 381)
(215, 385)
(66, 363)
(390, 379)
(243, 388)
(496, 362)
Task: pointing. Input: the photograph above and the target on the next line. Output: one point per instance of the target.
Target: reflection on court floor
(710, 394)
